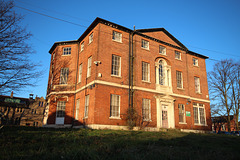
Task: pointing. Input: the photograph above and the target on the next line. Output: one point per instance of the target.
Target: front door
(164, 116)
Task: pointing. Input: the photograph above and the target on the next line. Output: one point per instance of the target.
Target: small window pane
(67, 51)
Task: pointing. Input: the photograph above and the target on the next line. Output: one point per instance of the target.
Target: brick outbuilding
(94, 80)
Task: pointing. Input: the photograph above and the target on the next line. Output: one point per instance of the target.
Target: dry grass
(44, 143)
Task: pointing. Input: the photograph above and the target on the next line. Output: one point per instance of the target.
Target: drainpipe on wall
(131, 69)
(74, 101)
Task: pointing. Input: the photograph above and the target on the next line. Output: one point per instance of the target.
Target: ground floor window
(61, 109)
(86, 105)
(146, 112)
(181, 109)
(115, 106)
(199, 114)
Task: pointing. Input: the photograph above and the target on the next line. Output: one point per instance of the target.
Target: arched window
(161, 72)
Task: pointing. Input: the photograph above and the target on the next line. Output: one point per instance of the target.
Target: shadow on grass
(49, 143)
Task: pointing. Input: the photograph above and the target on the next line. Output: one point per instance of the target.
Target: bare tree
(235, 96)
(16, 70)
(221, 88)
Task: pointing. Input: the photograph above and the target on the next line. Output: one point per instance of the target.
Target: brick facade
(113, 77)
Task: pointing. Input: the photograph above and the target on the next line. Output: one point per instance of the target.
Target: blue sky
(208, 27)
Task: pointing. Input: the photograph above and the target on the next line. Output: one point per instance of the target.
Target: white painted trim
(126, 87)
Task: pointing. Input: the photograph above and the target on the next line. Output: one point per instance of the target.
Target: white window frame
(117, 36)
(60, 112)
(64, 75)
(77, 109)
(163, 49)
(181, 112)
(145, 72)
(82, 46)
(146, 109)
(89, 66)
(197, 84)
(178, 55)
(114, 106)
(179, 78)
(66, 51)
(86, 106)
(198, 118)
(116, 66)
(91, 38)
(195, 61)
(145, 44)
(80, 73)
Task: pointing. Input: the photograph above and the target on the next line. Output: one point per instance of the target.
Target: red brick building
(95, 79)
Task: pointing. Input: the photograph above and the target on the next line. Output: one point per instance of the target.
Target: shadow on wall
(66, 120)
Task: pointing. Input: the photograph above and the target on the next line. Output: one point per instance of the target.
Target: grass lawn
(45, 143)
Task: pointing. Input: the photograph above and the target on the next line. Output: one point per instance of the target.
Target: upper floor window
(195, 61)
(145, 44)
(66, 50)
(178, 55)
(199, 114)
(82, 46)
(146, 109)
(197, 84)
(89, 67)
(64, 75)
(163, 73)
(179, 79)
(80, 73)
(90, 38)
(162, 50)
(115, 106)
(181, 109)
(117, 36)
(116, 65)
(145, 72)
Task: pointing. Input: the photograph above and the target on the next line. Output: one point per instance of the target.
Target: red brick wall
(101, 49)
